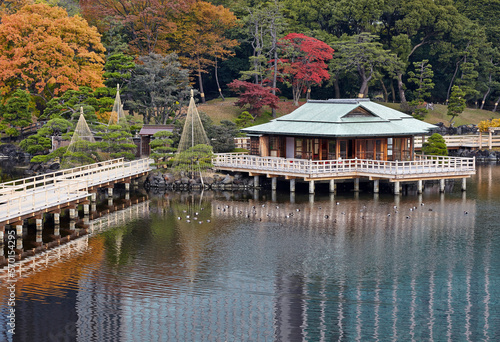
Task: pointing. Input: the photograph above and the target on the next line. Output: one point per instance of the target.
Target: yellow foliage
(103, 117)
(484, 125)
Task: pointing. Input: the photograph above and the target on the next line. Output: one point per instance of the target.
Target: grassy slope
(226, 110)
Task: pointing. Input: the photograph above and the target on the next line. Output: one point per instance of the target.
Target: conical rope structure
(194, 154)
(82, 149)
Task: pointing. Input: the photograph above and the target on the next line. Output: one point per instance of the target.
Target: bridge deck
(424, 167)
(27, 196)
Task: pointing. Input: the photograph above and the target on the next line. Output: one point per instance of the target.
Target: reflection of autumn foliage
(48, 52)
(54, 280)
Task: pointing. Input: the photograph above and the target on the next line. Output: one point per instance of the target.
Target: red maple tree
(254, 95)
(303, 63)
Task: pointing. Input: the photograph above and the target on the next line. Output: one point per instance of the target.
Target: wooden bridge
(32, 197)
(422, 168)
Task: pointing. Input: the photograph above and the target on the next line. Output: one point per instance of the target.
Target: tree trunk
(200, 81)
(336, 87)
(451, 82)
(402, 97)
(393, 92)
(486, 94)
(217, 80)
(496, 104)
(386, 95)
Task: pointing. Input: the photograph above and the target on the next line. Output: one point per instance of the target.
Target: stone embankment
(480, 155)
(214, 181)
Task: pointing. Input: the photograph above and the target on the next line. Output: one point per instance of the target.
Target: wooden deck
(26, 197)
(423, 168)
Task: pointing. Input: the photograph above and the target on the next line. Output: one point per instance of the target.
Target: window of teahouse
(332, 146)
(298, 148)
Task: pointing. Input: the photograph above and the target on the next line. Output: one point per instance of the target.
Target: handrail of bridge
(103, 169)
(319, 168)
(42, 198)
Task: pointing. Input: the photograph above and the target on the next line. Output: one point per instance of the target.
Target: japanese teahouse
(343, 139)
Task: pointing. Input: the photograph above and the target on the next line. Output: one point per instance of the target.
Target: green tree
(222, 136)
(194, 159)
(117, 142)
(118, 70)
(435, 145)
(159, 88)
(41, 142)
(161, 148)
(456, 104)
(16, 113)
(243, 120)
(422, 78)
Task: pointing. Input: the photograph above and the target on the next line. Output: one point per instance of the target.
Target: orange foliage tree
(47, 52)
(147, 23)
(200, 38)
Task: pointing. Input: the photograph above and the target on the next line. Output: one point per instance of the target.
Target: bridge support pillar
(72, 213)
(93, 207)
(39, 222)
(441, 185)
(72, 225)
(86, 210)
(2, 232)
(19, 244)
(57, 218)
(274, 183)
(311, 187)
(376, 187)
(57, 230)
(396, 187)
(127, 195)
(110, 191)
(127, 186)
(110, 201)
(464, 184)
(292, 197)
(19, 229)
(292, 185)
(39, 235)
(332, 185)
(256, 181)
(356, 184)
(419, 186)
(93, 196)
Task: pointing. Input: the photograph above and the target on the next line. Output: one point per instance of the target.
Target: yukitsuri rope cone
(194, 154)
(82, 149)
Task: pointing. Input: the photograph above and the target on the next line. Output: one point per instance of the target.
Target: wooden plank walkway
(424, 167)
(41, 193)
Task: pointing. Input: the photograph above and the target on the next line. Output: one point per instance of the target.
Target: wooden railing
(27, 195)
(464, 141)
(422, 165)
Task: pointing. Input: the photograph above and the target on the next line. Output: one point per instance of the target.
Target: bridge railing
(42, 197)
(324, 168)
(99, 172)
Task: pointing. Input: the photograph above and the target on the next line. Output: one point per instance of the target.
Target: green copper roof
(343, 118)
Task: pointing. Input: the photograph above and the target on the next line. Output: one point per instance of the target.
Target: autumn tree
(201, 38)
(47, 52)
(303, 63)
(146, 24)
(254, 95)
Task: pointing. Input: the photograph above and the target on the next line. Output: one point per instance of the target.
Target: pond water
(267, 267)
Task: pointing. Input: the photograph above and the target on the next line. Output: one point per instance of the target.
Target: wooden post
(376, 187)
(292, 185)
(332, 185)
(256, 181)
(489, 139)
(480, 140)
(396, 188)
(441, 185)
(356, 184)
(311, 187)
(419, 186)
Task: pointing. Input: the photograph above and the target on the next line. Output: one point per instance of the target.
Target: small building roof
(343, 118)
(152, 129)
